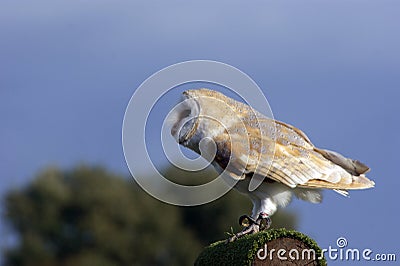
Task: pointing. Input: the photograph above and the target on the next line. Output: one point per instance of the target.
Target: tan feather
(296, 162)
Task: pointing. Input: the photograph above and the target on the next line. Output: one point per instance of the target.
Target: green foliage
(88, 216)
(243, 251)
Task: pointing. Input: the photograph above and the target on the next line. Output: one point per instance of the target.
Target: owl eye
(186, 113)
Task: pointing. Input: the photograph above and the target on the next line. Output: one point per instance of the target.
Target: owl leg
(252, 226)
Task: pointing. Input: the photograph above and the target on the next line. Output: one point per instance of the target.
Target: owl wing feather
(294, 161)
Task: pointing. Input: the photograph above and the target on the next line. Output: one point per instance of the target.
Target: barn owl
(249, 145)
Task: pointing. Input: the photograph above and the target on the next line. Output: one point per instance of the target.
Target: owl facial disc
(184, 119)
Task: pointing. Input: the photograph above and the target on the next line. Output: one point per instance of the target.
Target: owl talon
(264, 221)
(246, 220)
(251, 229)
(251, 226)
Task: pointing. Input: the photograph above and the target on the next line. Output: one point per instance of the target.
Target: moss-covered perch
(244, 250)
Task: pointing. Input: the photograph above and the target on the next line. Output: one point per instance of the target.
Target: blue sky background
(331, 68)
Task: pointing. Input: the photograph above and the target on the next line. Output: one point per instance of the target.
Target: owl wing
(285, 154)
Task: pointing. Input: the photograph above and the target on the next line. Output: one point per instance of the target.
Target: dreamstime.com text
(338, 253)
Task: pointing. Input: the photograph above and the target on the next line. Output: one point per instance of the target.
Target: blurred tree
(88, 216)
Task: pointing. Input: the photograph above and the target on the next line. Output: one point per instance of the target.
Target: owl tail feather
(354, 167)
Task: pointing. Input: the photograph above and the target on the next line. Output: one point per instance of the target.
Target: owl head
(204, 113)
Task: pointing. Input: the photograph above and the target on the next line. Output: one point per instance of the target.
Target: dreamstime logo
(136, 117)
(341, 242)
(339, 253)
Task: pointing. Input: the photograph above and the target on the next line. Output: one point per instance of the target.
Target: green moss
(243, 250)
